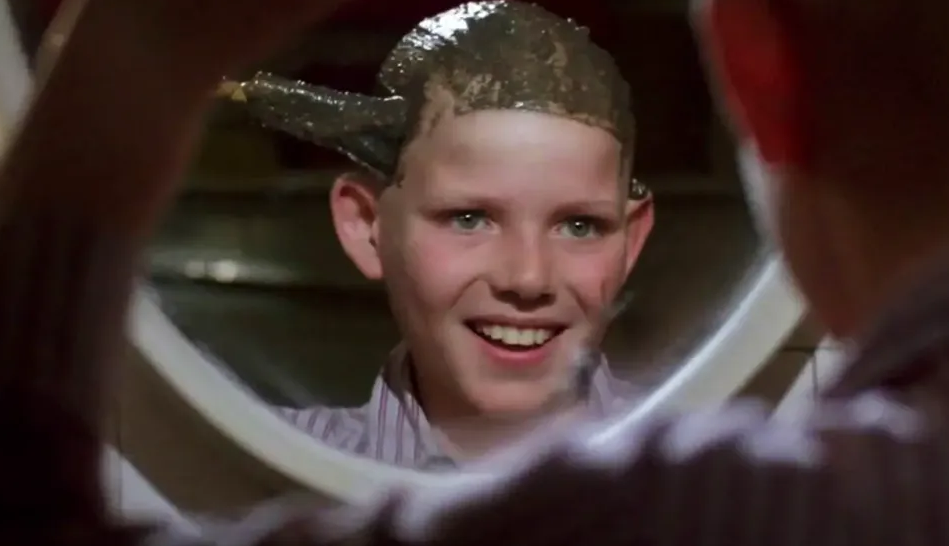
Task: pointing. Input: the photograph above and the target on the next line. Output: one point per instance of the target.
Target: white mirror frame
(14, 75)
(757, 327)
(823, 368)
(132, 495)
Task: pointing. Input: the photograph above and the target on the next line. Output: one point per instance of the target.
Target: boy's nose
(525, 272)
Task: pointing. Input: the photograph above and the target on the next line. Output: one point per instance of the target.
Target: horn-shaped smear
(369, 130)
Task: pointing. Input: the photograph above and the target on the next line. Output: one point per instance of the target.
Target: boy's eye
(579, 228)
(469, 220)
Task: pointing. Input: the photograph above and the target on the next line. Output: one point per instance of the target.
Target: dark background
(651, 42)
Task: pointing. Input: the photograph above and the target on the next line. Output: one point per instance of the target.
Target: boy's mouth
(514, 338)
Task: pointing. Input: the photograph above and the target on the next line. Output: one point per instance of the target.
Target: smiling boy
(497, 205)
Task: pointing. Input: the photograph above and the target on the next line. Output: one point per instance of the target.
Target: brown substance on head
(439, 103)
(498, 55)
(507, 56)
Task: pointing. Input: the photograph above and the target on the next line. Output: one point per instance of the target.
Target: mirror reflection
(508, 225)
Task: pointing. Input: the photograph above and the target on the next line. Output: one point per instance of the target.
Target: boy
(498, 206)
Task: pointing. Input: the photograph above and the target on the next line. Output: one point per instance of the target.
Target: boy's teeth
(509, 335)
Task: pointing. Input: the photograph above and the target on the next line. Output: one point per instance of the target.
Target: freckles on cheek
(595, 280)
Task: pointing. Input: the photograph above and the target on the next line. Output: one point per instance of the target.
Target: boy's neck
(471, 439)
(464, 433)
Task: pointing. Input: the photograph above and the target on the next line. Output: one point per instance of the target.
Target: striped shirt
(391, 427)
(868, 465)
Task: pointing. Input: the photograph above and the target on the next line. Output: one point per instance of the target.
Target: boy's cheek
(595, 282)
(442, 263)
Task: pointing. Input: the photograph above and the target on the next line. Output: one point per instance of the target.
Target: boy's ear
(640, 218)
(354, 202)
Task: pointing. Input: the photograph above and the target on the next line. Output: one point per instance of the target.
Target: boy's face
(506, 241)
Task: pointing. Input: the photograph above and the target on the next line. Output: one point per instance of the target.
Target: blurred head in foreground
(840, 110)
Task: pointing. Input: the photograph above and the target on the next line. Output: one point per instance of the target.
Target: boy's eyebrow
(455, 189)
(456, 197)
(593, 203)
(464, 198)
(590, 206)
(471, 197)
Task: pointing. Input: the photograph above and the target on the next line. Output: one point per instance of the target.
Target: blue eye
(469, 220)
(579, 228)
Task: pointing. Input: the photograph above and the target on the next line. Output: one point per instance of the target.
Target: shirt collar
(400, 432)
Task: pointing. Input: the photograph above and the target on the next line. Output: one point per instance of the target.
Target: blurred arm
(721, 477)
(864, 473)
(81, 185)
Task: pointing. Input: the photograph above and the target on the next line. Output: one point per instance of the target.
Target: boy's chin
(513, 403)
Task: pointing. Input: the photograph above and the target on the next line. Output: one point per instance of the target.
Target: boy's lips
(516, 344)
(515, 334)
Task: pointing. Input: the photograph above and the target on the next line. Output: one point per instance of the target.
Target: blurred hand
(204, 39)
(130, 85)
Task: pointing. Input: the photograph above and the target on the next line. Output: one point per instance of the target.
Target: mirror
(249, 267)
(252, 305)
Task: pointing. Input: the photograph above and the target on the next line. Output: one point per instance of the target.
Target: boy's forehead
(515, 156)
(495, 139)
